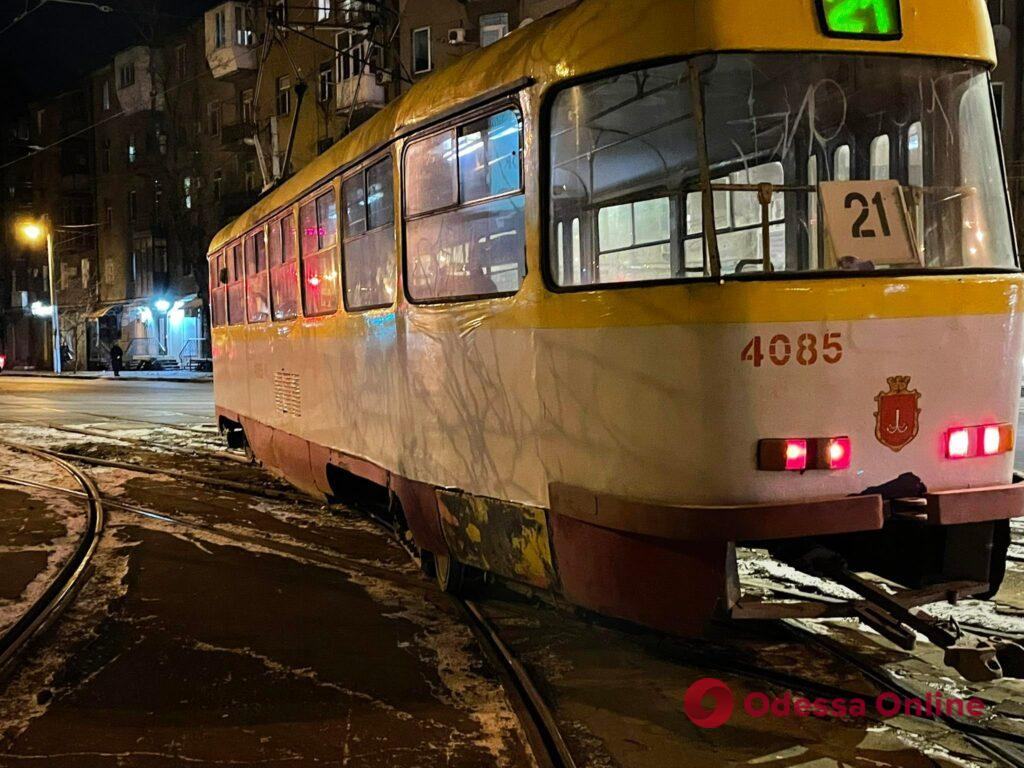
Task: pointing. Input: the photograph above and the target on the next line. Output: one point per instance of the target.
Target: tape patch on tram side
(509, 539)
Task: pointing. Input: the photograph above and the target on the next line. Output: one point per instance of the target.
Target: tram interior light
(162, 305)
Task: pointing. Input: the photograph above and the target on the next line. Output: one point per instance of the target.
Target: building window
(421, 59)
(323, 10)
(187, 188)
(105, 161)
(493, 27)
(244, 34)
(110, 215)
(132, 151)
(218, 181)
(248, 107)
(325, 82)
(133, 206)
(133, 264)
(220, 28)
(106, 95)
(281, 7)
(284, 96)
(213, 119)
(126, 75)
(181, 61)
(995, 10)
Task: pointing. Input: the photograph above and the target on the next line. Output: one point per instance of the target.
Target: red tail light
(958, 443)
(796, 454)
(986, 440)
(837, 453)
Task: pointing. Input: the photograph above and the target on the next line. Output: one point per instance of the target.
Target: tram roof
(596, 35)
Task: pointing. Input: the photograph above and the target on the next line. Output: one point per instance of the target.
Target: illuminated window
(248, 107)
(284, 268)
(369, 252)
(465, 220)
(880, 157)
(323, 10)
(244, 34)
(236, 285)
(132, 152)
(187, 186)
(106, 95)
(318, 223)
(257, 278)
(841, 163)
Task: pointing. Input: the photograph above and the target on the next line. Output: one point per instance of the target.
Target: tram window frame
(218, 290)
(323, 248)
(368, 231)
(280, 262)
(257, 282)
(453, 129)
(235, 258)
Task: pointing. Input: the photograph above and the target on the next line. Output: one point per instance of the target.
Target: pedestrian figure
(116, 356)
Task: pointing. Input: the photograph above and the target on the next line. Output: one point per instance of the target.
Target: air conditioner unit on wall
(456, 36)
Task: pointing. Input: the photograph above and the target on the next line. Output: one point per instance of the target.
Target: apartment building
(180, 134)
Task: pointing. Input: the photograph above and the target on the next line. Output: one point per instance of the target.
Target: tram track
(538, 721)
(72, 574)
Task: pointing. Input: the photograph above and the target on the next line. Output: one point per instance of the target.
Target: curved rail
(42, 613)
(545, 738)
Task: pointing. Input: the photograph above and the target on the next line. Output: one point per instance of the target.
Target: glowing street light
(34, 232)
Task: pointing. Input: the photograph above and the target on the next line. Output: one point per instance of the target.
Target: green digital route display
(861, 18)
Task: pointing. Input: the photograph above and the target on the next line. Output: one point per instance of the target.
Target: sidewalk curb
(204, 379)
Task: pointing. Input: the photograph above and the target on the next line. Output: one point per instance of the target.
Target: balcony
(359, 92)
(235, 134)
(230, 41)
(139, 84)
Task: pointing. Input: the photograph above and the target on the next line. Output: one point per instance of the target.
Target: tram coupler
(975, 659)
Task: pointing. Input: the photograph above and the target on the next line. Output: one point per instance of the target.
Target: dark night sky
(54, 46)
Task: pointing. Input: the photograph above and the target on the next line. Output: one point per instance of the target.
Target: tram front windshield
(825, 162)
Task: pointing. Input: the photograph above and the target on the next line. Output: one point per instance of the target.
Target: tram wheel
(450, 574)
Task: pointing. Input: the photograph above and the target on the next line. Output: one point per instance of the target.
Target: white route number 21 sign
(867, 221)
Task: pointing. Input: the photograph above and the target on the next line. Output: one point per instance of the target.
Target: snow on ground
(69, 511)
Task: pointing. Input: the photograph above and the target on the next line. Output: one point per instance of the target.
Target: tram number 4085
(807, 349)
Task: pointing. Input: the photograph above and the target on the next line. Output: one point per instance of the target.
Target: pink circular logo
(693, 703)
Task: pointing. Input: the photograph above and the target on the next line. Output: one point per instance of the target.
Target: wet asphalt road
(249, 632)
(259, 633)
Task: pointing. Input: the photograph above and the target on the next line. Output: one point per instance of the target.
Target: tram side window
(623, 158)
(218, 290)
(369, 250)
(318, 220)
(236, 285)
(257, 280)
(465, 224)
(284, 268)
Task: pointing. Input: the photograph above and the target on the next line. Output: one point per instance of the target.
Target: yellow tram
(499, 307)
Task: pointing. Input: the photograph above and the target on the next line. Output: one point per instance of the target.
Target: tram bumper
(674, 567)
(782, 520)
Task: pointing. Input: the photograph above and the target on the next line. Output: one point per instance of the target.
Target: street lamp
(32, 232)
